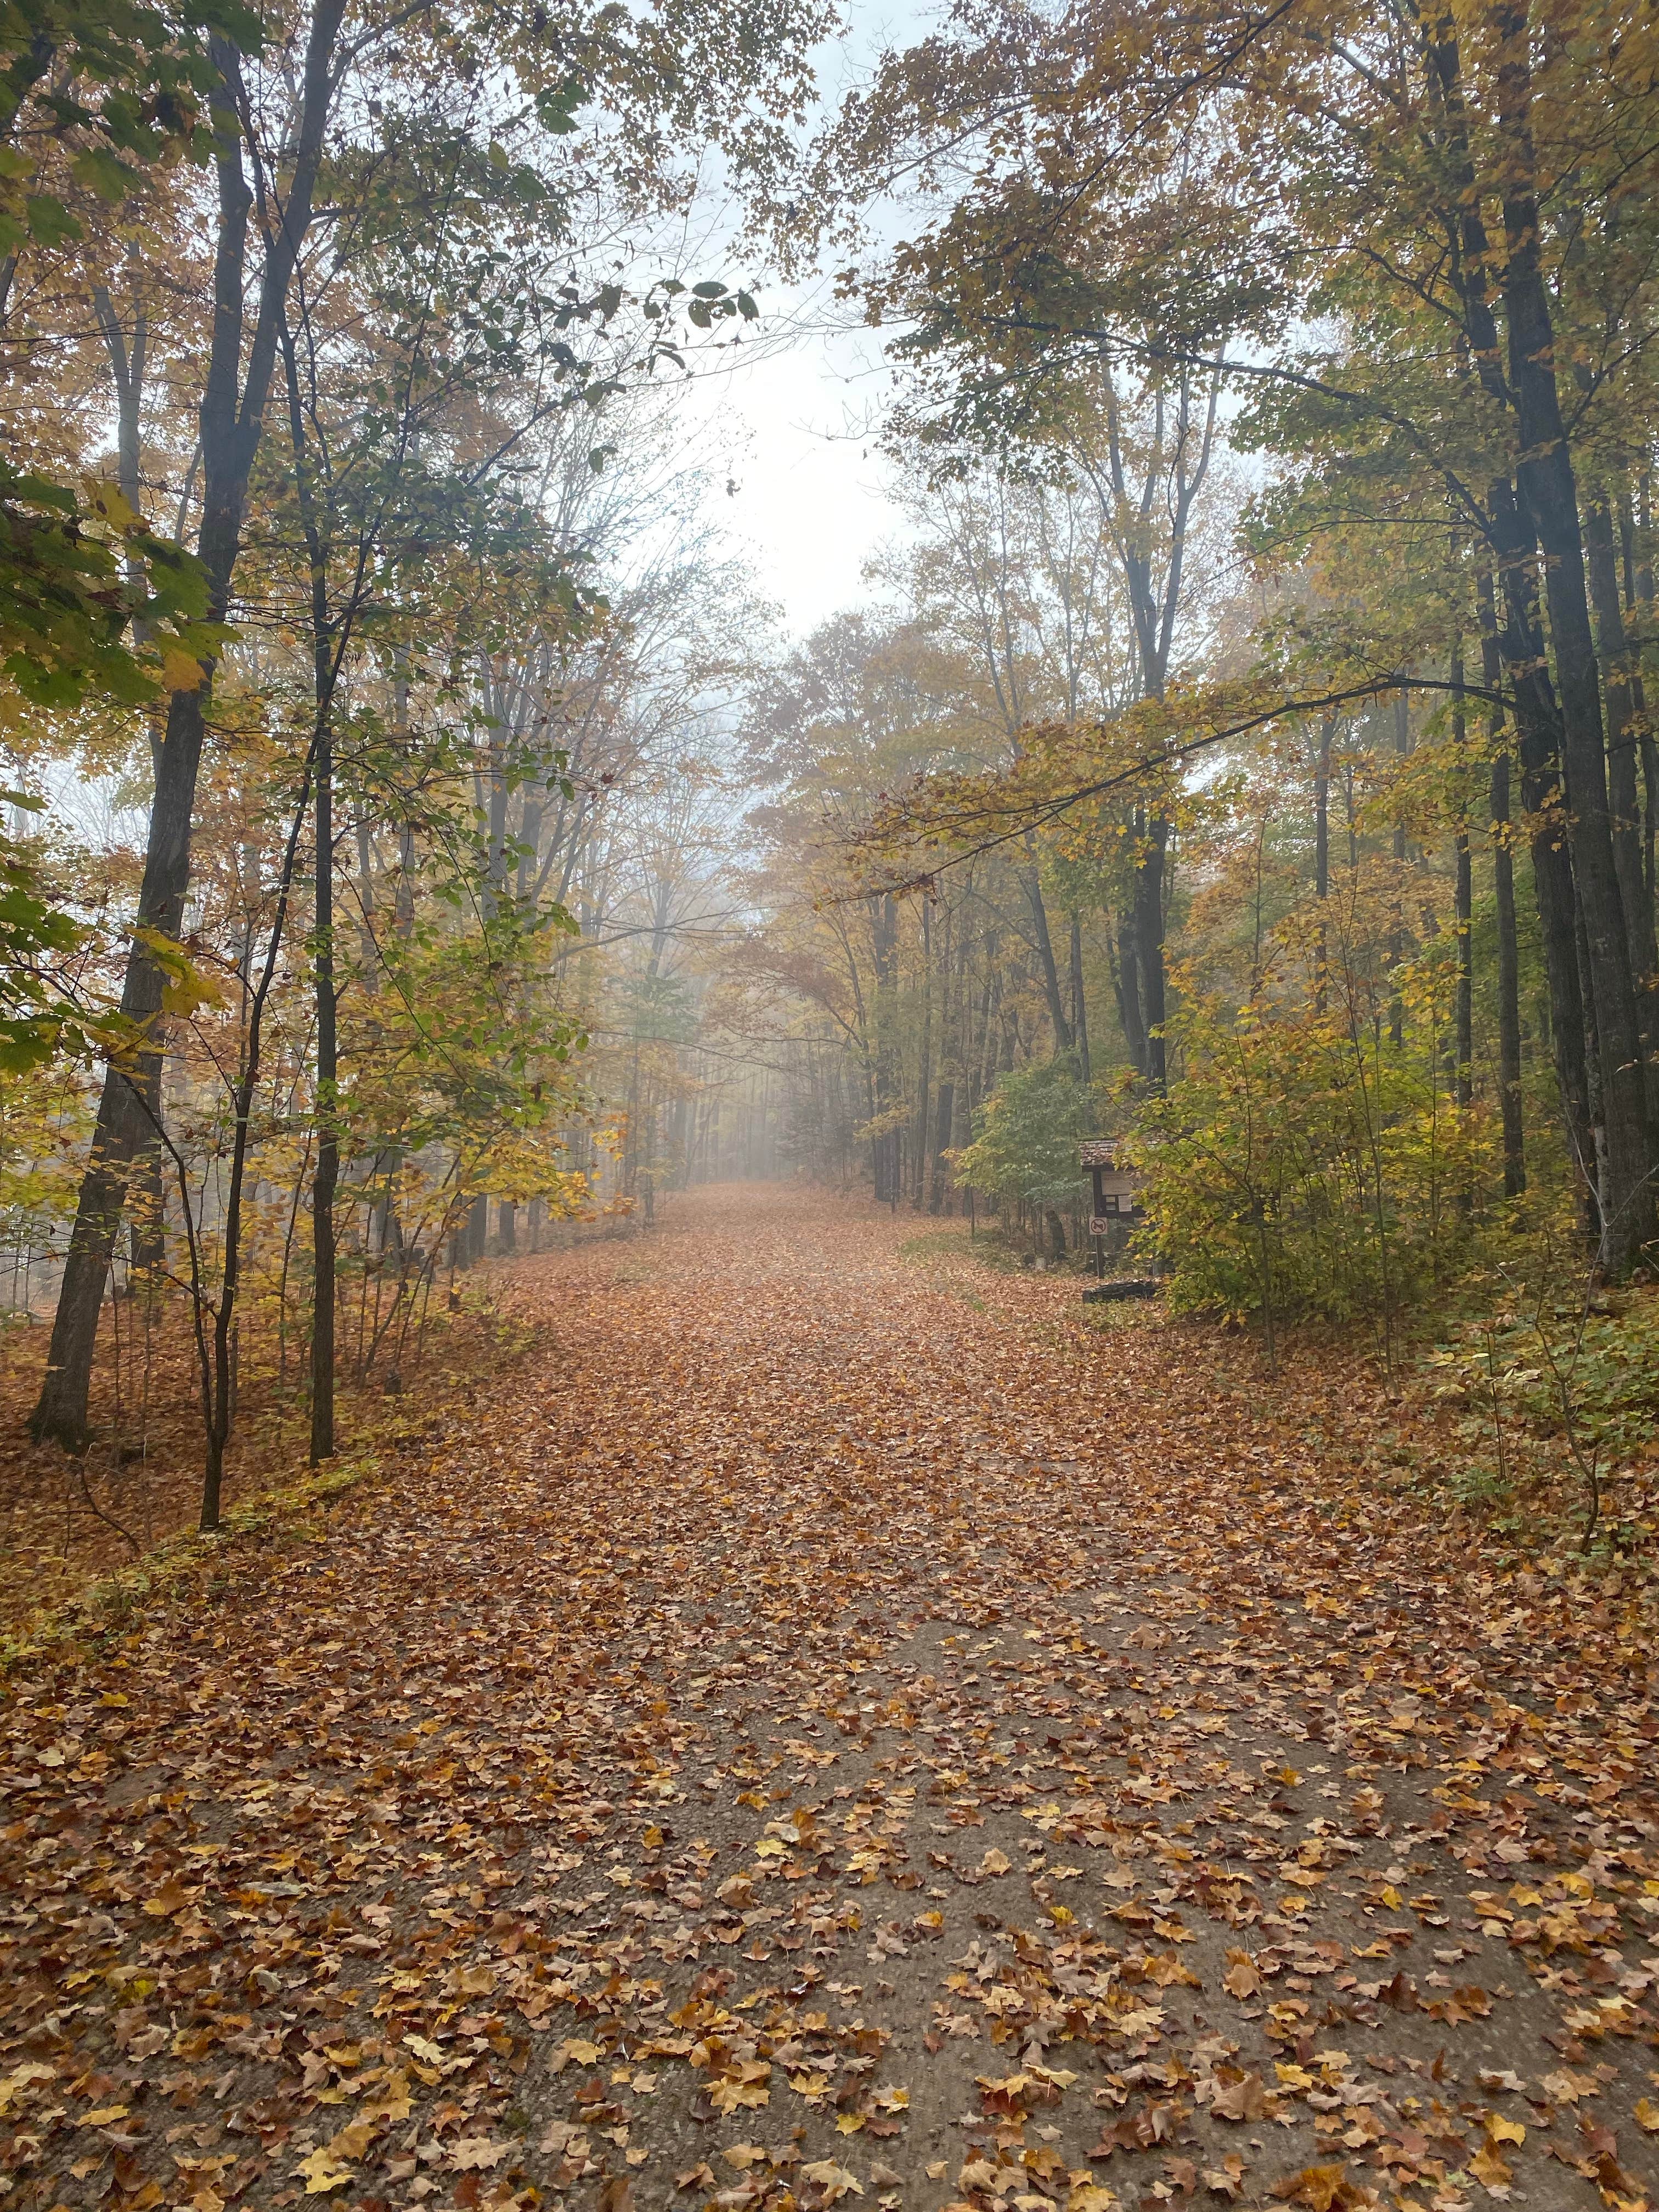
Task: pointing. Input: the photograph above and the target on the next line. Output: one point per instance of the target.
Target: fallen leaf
(1241, 1979)
(1318, 2187)
(469, 2153)
(833, 2180)
(1489, 2170)
(1245, 2100)
(322, 2172)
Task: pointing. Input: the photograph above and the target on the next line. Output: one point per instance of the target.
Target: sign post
(1116, 1186)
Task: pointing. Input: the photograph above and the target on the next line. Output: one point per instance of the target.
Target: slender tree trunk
(1508, 951)
(1080, 1008)
(991, 1063)
(1402, 745)
(221, 1383)
(1463, 908)
(979, 1054)
(924, 1075)
(1622, 733)
(1637, 529)
(1045, 952)
(1127, 983)
(127, 363)
(884, 1162)
(325, 1176)
(942, 1125)
(1153, 844)
(1322, 858)
(1624, 804)
(232, 411)
(1508, 985)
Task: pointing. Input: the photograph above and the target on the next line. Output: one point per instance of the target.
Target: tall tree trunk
(1509, 951)
(1079, 1007)
(1126, 983)
(1152, 845)
(1624, 806)
(995, 1035)
(1462, 909)
(127, 364)
(1049, 972)
(232, 412)
(885, 1161)
(1513, 529)
(1322, 858)
(1538, 734)
(1508, 985)
(979, 1060)
(942, 1123)
(1546, 483)
(1636, 525)
(325, 1176)
(924, 1073)
(1402, 745)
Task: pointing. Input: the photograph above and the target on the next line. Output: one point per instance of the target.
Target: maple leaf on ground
(1092, 2196)
(1243, 2100)
(1489, 2170)
(471, 2151)
(833, 2180)
(1243, 1977)
(322, 2172)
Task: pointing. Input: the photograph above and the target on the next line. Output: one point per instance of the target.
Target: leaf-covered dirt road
(834, 1728)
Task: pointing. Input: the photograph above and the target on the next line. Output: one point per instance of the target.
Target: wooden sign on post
(1116, 1186)
(1113, 1191)
(1116, 1181)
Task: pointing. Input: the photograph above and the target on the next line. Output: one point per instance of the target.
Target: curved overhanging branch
(1023, 818)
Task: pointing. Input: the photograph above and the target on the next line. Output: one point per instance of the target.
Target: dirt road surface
(830, 1727)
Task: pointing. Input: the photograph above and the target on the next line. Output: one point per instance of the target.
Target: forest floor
(69, 1522)
(833, 1727)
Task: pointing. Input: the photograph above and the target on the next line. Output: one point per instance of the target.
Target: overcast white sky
(796, 423)
(799, 417)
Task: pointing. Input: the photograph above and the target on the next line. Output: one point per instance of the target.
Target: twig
(108, 1519)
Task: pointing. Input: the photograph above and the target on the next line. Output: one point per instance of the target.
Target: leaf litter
(808, 1739)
